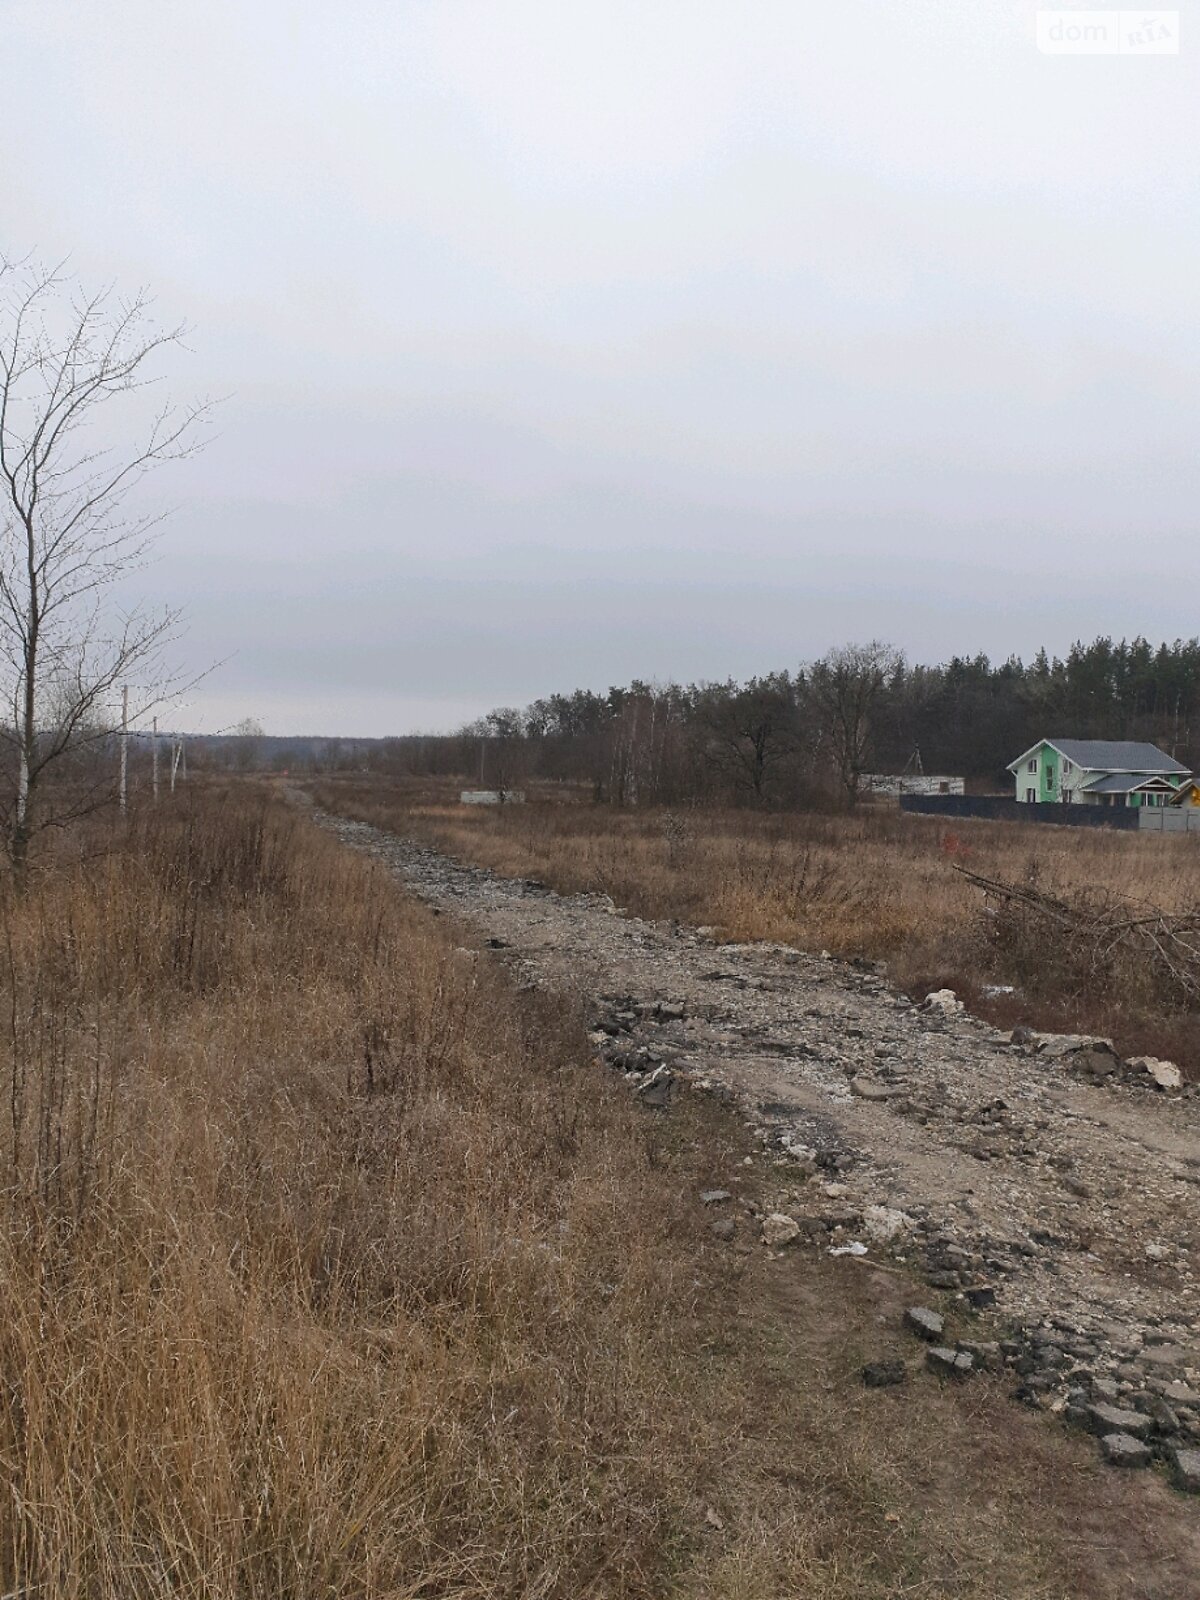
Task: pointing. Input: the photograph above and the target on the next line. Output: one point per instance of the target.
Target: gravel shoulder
(1069, 1205)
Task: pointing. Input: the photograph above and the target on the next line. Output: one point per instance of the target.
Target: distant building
(1097, 772)
(893, 783)
(492, 797)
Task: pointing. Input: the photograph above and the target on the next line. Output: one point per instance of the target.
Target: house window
(1032, 767)
(1030, 796)
(1049, 777)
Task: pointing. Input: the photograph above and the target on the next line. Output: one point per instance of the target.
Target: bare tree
(843, 688)
(68, 532)
(247, 750)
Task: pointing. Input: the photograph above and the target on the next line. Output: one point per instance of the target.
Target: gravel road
(1074, 1203)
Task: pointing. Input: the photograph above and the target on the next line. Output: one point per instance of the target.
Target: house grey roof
(1116, 755)
(1121, 782)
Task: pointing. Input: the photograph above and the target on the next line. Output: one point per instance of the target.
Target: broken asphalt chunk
(926, 1324)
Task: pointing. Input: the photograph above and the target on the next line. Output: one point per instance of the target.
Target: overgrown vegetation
(876, 884)
(325, 1268)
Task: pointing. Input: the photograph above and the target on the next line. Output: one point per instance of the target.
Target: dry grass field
(331, 1266)
(878, 884)
(325, 1269)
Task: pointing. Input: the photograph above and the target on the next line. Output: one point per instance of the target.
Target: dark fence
(998, 809)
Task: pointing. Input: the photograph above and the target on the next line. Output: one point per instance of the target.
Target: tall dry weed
(324, 1268)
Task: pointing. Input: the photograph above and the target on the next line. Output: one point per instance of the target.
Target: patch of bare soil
(971, 1495)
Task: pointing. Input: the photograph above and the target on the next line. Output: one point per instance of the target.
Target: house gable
(1042, 773)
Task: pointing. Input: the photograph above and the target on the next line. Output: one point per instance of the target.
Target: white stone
(943, 1000)
(1164, 1073)
(883, 1224)
(779, 1230)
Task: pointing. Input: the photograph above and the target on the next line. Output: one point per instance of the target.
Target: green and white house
(1097, 772)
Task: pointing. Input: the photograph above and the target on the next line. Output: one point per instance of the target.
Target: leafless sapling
(79, 429)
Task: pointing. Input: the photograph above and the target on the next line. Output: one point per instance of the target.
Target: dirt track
(1076, 1203)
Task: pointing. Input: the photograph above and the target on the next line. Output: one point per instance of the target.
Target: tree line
(809, 735)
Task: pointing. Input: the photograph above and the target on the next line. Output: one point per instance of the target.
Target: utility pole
(154, 762)
(124, 781)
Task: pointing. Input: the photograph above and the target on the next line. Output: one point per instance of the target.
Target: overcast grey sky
(573, 340)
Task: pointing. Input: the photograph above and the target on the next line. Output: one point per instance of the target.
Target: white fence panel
(1169, 819)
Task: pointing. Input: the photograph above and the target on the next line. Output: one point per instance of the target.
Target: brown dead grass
(326, 1268)
(878, 885)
